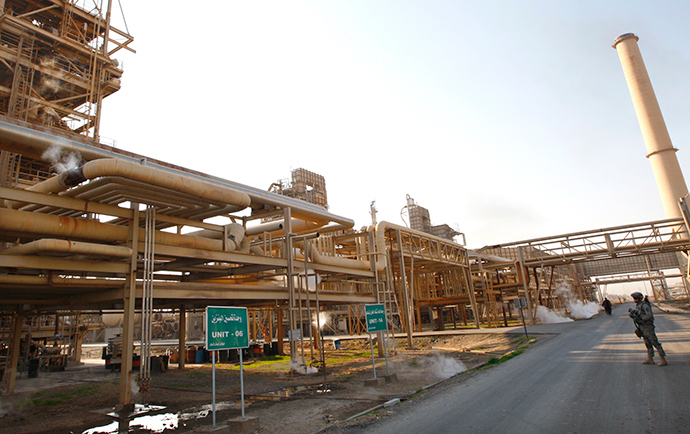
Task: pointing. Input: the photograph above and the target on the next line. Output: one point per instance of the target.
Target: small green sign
(376, 318)
(226, 328)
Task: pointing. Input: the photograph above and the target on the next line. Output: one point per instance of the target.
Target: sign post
(520, 303)
(227, 328)
(376, 322)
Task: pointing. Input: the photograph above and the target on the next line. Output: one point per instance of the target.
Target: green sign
(226, 328)
(376, 318)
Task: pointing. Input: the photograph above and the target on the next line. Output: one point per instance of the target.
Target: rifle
(636, 318)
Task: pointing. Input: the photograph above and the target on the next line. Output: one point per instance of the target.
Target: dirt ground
(79, 399)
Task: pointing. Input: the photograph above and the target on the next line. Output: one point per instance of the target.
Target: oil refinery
(107, 245)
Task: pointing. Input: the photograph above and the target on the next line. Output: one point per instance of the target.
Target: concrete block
(246, 424)
(219, 429)
(231, 426)
(392, 378)
(375, 382)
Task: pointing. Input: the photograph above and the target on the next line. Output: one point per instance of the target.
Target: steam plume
(582, 310)
(302, 368)
(445, 367)
(61, 162)
(547, 316)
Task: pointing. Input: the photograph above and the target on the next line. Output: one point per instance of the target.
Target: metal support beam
(182, 347)
(287, 225)
(128, 316)
(405, 293)
(10, 377)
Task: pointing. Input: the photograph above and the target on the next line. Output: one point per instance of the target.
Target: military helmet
(637, 296)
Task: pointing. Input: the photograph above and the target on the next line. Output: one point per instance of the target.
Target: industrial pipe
(379, 230)
(15, 221)
(235, 235)
(43, 281)
(17, 136)
(335, 261)
(71, 247)
(276, 228)
(114, 167)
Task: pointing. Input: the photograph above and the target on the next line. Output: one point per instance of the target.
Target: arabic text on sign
(225, 319)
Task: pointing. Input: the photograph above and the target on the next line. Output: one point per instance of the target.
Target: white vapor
(60, 161)
(547, 316)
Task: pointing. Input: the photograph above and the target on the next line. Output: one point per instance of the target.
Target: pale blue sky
(506, 119)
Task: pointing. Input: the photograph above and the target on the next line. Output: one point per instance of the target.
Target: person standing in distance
(644, 320)
(607, 306)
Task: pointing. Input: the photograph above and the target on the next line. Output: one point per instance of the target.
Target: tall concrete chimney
(660, 151)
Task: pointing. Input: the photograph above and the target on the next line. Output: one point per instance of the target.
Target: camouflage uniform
(644, 318)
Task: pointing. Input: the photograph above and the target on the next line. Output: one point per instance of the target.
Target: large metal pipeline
(276, 228)
(75, 282)
(235, 234)
(116, 190)
(379, 230)
(114, 167)
(16, 136)
(69, 247)
(314, 255)
(15, 221)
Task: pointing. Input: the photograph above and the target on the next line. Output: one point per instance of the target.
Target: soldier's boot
(663, 361)
(649, 361)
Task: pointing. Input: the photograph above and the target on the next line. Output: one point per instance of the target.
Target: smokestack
(660, 151)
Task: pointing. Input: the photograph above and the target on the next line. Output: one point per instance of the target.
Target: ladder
(20, 95)
(9, 168)
(385, 291)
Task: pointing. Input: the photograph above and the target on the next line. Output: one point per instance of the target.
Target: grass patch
(44, 399)
(183, 386)
(345, 357)
(520, 340)
(418, 393)
(271, 363)
(506, 357)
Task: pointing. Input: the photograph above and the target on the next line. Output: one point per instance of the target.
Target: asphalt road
(588, 379)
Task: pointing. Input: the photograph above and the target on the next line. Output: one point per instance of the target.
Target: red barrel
(191, 355)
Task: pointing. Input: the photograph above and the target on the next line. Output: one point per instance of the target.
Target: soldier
(644, 321)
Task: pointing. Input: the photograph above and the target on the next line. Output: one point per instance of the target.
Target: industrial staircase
(20, 96)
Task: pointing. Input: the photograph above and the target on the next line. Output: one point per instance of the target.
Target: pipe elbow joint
(72, 177)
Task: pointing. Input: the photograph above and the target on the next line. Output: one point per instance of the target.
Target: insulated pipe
(112, 190)
(235, 236)
(335, 261)
(69, 227)
(18, 138)
(114, 167)
(660, 151)
(276, 228)
(72, 247)
(379, 230)
(15, 279)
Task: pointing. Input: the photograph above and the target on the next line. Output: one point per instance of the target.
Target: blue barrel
(200, 355)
